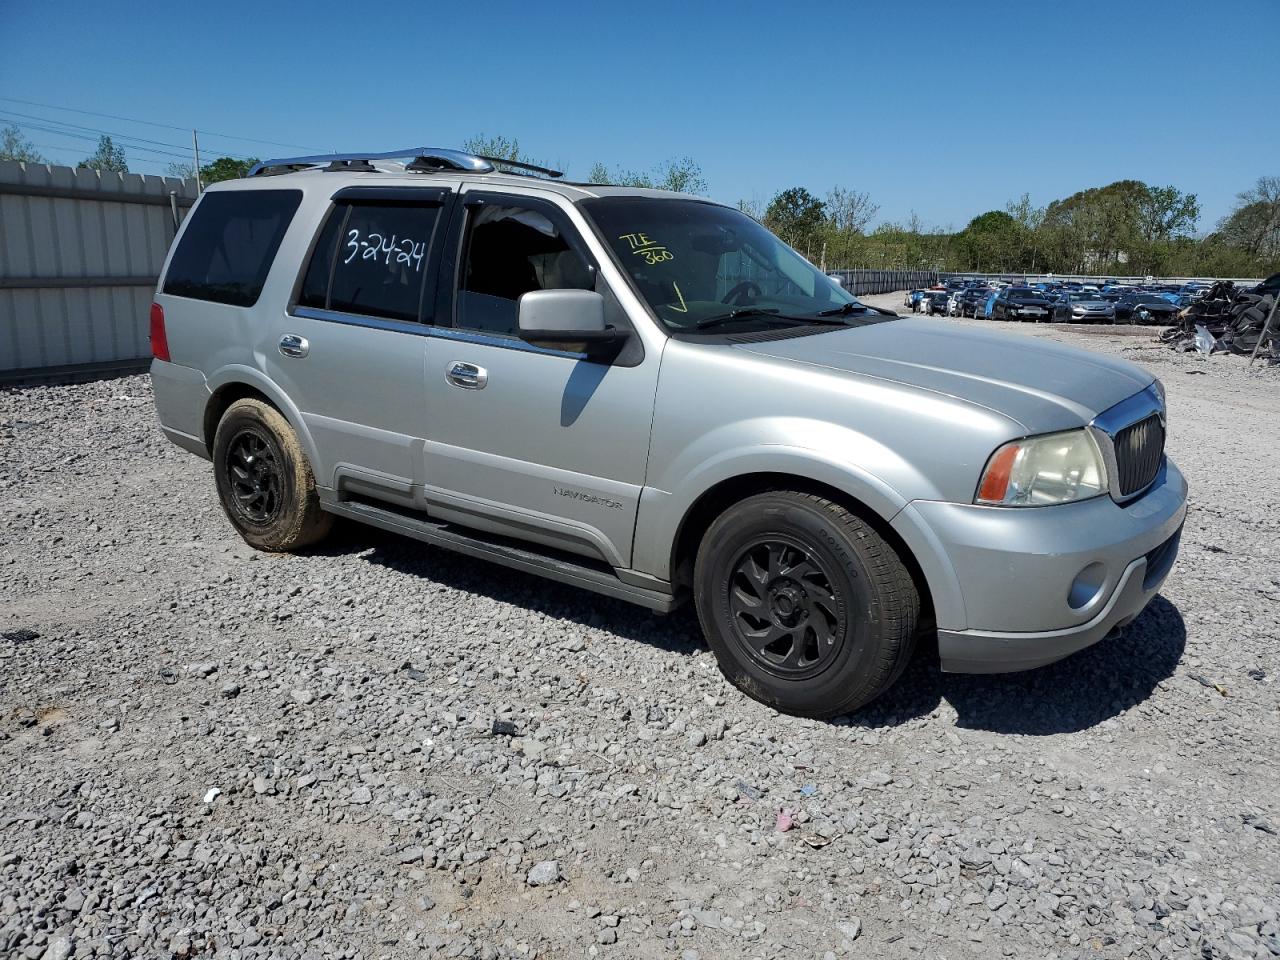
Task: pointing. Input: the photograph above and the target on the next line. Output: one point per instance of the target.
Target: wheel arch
(722, 495)
(238, 383)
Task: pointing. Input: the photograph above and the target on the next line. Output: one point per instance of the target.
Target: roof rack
(421, 159)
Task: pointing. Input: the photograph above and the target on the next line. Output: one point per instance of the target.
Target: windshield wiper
(853, 306)
(769, 312)
(721, 318)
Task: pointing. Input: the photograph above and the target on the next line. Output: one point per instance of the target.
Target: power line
(64, 148)
(152, 123)
(107, 133)
(90, 137)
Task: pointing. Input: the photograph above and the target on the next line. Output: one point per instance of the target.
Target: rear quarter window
(228, 247)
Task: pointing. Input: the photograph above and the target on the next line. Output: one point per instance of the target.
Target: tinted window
(229, 245)
(512, 250)
(315, 285)
(372, 259)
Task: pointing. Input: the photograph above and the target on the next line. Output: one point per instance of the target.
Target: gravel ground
(382, 750)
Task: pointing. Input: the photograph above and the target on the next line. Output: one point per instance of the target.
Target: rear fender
(239, 374)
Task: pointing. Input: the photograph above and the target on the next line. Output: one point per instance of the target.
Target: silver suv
(649, 395)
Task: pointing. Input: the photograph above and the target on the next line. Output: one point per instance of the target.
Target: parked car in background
(972, 299)
(1024, 303)
(1270, 285)
(1144, 308)
(935, 304)
(1088, 308)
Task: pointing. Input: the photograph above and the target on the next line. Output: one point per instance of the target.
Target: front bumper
(1036, 584)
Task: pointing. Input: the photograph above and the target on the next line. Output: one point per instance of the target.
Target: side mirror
(569, 320)
(837, 280)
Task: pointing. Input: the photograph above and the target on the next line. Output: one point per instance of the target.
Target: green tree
(849, 211)
(680, 175)
(1165, 213)
(796, 216)
(14, 146)
(495, 148)
(225, 168)
(991, 241)
(1253, 226)
(107, 157)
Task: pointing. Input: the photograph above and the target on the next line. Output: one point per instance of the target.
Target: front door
(534, 443)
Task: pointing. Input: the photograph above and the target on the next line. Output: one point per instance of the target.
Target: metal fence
(80, 252)
(1094, 278)
(884, 281)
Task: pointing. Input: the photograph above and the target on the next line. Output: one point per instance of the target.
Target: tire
(830, 606)
(265, 483)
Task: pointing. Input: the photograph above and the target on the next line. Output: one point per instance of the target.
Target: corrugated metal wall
(80, 252)
(884, 281)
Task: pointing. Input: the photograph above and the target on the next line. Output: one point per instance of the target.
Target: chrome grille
(1139, 451)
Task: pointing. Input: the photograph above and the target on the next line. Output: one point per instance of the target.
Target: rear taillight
(159, 339)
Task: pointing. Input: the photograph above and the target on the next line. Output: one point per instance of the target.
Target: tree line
(1126, 228)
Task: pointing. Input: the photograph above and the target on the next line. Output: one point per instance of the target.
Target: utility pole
(195, 149)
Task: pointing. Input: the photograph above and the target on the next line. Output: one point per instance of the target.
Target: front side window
(372, 259)
(511, 249)
(704, 268)
(228, 247)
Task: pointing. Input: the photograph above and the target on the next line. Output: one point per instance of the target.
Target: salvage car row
(1049, 302)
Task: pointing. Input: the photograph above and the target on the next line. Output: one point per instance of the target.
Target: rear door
(350, 350)
(544, 445)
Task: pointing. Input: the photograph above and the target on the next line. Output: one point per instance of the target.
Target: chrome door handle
(292, 345)
(467, 375)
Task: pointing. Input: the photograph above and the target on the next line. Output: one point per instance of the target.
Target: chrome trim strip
(359, 320)
(426, 330)
(1106, 425)
(497, 340)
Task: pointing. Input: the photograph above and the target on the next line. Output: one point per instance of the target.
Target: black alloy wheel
(786, 615)
(253, 467)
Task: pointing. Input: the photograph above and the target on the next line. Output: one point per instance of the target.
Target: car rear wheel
(806, 607)
(264, 480)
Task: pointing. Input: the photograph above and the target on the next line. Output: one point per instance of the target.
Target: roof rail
(421, 158)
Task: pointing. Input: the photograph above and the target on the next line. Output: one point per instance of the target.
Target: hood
(1041, 386)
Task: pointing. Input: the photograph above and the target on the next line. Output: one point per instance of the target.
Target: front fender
(831, 455)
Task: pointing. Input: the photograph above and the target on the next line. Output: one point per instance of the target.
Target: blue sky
(944, 108)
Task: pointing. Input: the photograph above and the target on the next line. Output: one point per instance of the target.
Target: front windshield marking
(695, 262)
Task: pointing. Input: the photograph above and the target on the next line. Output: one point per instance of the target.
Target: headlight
(1158, 387)
(1038, 471)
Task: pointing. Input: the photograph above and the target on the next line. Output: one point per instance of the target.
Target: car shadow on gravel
(1074, 694)
(1087, 688)
(677, 632)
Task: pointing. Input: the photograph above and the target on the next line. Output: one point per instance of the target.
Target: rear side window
(372, 259)
(229, 245)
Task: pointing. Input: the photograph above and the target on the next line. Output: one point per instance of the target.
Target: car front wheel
(806, 607)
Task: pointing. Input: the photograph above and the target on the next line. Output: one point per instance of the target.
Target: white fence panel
(80, 252)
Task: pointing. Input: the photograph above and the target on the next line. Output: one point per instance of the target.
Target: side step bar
(597, 578)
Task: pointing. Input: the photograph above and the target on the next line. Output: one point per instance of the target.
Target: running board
(599, 579)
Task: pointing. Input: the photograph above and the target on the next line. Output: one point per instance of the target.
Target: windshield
(699, 263)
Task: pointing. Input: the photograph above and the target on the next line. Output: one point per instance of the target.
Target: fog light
(1087, 585)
